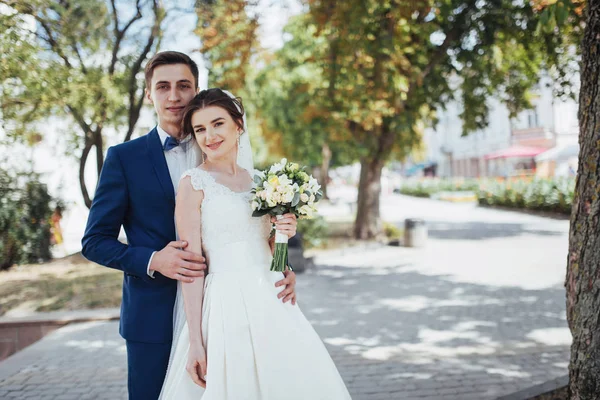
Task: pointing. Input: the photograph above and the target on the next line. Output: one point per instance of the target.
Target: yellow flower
(273, 180)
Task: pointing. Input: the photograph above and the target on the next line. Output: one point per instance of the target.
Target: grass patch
(72, 283)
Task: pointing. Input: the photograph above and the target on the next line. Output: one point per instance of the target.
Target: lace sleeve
(196, 176)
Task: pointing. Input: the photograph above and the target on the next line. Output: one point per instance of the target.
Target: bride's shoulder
(194, 178)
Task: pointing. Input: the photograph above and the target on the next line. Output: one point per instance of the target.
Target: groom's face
(172, 87)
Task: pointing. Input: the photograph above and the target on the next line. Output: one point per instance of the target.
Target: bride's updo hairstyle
(214, 97)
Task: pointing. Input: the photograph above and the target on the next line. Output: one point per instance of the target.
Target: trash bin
(415, 232)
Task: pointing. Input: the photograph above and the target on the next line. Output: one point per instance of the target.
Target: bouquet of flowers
(284, 188)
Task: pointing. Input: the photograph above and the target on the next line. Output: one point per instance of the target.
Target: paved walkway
(478, 313)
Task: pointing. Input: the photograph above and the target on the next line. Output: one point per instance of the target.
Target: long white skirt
(258, 348)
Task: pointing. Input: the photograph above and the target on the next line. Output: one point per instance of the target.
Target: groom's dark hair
(169, 58)
(212, 97)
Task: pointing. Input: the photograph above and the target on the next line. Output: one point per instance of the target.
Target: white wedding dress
(258, 348)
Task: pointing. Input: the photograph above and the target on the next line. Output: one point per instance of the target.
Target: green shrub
(25, 210)
(314, 232)
(391, 231)
(550, 194)
(553, 195)
(431, 186)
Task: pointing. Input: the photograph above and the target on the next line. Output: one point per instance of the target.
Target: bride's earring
(202, 155)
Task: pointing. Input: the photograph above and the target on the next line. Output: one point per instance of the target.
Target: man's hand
(287, 225)
(196, 364)
(178, 264)
(289, 293)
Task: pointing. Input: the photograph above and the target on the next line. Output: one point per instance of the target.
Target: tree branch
(76, 50)
(136, 104)
(53, 43)
(80, 120)
(439, 53)
(120, 33)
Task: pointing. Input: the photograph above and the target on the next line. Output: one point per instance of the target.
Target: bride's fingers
(283, 282)
(286, 221)
(285, 293)
(290, 297)
(193, 372)
(286, 230)
(203, 373)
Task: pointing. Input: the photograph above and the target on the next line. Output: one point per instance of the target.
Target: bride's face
(216, 132)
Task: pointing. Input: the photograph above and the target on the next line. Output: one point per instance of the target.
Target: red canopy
(516, 152)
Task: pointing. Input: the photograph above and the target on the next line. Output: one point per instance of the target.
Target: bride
(233, 338)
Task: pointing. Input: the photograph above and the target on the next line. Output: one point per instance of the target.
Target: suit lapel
(159, 162)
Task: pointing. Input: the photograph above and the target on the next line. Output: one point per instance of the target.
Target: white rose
(288, 197)
(275, 168)
(304, 198)
(263, 194)
(285, 181)
(306, 210)
(313, 185)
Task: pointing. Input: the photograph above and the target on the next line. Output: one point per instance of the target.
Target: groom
(136, 190)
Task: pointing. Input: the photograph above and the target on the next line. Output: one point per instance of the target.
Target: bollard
(415, 232)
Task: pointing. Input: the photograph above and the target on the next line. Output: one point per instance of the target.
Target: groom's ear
(148, 96)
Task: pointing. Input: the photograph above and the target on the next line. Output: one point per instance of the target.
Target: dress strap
(197, 177)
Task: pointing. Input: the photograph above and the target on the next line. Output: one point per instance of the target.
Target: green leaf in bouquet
(318, 196)
(296, 199)
(260, 213)
(257, 179)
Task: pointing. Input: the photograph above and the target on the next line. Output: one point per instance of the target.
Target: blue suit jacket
(135, 191)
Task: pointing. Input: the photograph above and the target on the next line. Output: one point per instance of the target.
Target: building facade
(552, 122)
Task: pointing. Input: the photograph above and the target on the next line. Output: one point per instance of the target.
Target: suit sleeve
(100, 241)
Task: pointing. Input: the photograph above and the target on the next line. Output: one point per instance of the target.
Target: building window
(532, 119)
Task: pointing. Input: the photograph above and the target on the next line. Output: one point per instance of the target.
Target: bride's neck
(225, 166)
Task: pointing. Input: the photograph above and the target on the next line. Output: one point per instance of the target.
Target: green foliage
(25, 209)
(429, 187)
(294, 103)
(391, 231)
(76, 60)
(228, 31)
(314, 231)
(554, 195)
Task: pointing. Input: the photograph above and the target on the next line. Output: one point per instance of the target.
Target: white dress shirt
(179, 159)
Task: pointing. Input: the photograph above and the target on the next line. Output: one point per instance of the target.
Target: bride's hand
(196, 364)
(287, 225)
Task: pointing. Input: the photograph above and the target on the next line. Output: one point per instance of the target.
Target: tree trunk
(326, 154)
(82, 161)
(368, 223)
(98, 143)
(583, 269)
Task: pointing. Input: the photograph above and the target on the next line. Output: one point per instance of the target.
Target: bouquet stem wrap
(281, 250)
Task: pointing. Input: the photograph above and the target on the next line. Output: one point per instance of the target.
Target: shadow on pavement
(483, 230)
(408, 334)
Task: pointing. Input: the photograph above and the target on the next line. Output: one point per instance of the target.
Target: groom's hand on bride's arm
(176, 263)
(289, 281)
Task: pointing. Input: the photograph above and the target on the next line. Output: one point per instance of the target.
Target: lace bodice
(227, 222)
